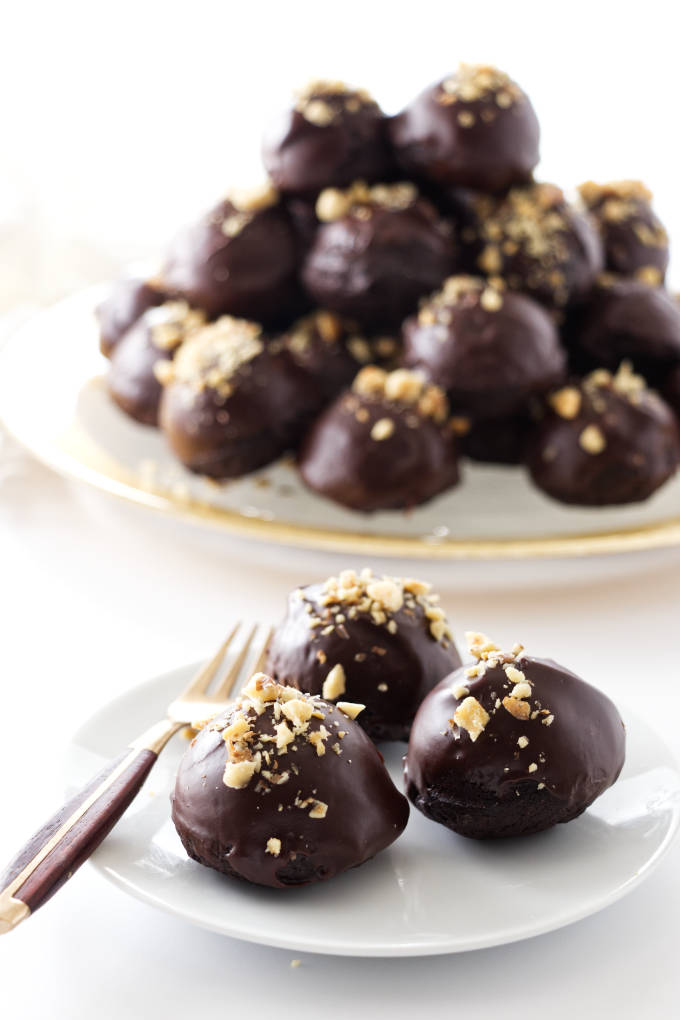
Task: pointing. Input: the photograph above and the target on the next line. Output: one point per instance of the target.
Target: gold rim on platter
(70, 451)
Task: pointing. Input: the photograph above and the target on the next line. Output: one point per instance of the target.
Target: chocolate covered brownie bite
(124, 305)
(376, 252)
(539, 243)
(511, 745)
(233, 399)
(627, 319)
(383, 641)
(155, 337)
(492, 350)
(634, 238)
(240, 259)
(387, 443)
(332, 136)
(284, 789)
(474, 129)
(606, 440)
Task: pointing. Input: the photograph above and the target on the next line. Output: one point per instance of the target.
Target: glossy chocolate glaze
(472, 144)
(303, 157)
(249, 271)
(128, 300)
(229, 829)
(131, 380)
(269, 402)
(640, 448)
(628, 319)
(406, 663)
(329, 349)
(488, 787)
(538, 243)
(341, 460)
(497, 440)
(635, 241)
(490, 349)
(375, 263)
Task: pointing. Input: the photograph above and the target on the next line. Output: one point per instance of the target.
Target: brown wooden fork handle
(66, 841)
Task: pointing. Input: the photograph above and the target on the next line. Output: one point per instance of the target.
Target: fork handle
(66, 841)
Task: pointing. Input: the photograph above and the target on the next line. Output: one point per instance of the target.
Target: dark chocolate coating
(497, 150)
(228, 829)
(497, 440)
(270, 405)
(131, 380)
(641, 452)
(318, 345)
(539, 244)
(339, 459)
(463, 784)
(409, 662)
(626, 319)
(128, 300)
(670, 388)
(302, 157)
(251, 274)
(375, 263)
(633, 236)
(490, 362)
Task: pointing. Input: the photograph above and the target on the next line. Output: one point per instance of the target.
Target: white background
(118, 122)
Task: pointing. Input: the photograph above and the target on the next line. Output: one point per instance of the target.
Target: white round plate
(53, 399)
(431, 892)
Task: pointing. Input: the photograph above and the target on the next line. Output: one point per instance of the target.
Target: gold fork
(58, 849)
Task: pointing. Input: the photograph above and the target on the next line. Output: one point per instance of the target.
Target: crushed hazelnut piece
(273, 846)
(592, 439)
(335, 683)
(472, 717)
(319, 809)
(533, 767)
(459, 691)
(382, 429)
(238, 774)
(516, 708)
(566, 402)
(350, 709)
(522, 741)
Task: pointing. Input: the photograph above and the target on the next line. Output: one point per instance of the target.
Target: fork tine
(259, 662)
(226, 685)
(200, 683)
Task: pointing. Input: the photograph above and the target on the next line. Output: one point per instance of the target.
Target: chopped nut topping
(459, 690)
(478, 82)
(319, 809)
(403, 387)
(344, 597)
(516, 676)
(321, 102)
(273, 846)
(566, 402)
(471, 716)
(252, 200)
(238, 774)
(592, 439)
(533, 767)
(533, 222)
(335, 203)
(523, 741)
(350, 709)
(491, 300)
(521, 690)
(518, 709)
(212, 355)
(171, 322)
(335, 683)
(382, 429)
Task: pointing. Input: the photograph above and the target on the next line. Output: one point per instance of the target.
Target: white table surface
(98, 596)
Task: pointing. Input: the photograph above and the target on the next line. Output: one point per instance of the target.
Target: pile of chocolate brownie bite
(402, 293)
